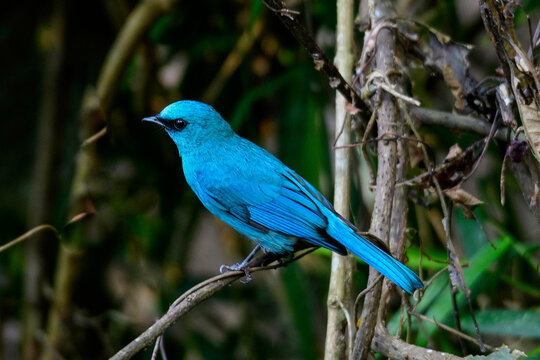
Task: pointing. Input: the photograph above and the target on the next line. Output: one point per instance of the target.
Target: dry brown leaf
(462, 197)
(454, 151)
(440, 53)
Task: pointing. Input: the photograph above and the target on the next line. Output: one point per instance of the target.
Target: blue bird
(260, 197)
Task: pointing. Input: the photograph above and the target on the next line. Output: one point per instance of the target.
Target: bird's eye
(179, 124)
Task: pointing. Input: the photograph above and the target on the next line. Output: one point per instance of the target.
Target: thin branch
(454, 121)
(380, 81)
(455, 271)
(27, 235)
(395, 348)
(92, 139)
(191, 299)
(449, 329)
(366, 290)
(196, 297)
(339, 302)
(155, 352)
(322, 62)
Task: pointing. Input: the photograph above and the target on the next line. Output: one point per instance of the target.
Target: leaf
(519, 70)
(522, 323)
(79, 217)
(526, 87)
(437, 302)
(450, 172)
(441, 54)
(463, 198)
(437, 262)
(455, 151)
(502, 353)
(530, 117)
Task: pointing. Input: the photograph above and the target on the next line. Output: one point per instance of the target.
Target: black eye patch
(178, 124)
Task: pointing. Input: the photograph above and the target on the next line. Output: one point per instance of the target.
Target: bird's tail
(398, 273)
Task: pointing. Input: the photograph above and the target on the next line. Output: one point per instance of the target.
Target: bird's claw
(238, 267)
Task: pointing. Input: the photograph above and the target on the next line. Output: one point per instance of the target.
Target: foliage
(145, 238)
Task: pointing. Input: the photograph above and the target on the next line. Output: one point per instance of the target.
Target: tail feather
(398, 273)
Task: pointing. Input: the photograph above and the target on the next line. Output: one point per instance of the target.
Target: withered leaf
(454, 151)
(463, 198)
(442, 55)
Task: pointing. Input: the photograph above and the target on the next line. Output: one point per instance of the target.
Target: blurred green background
(147, 238)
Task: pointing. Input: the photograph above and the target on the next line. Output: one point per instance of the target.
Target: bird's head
(191, 124)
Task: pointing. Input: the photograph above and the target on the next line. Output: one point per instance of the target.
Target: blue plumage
(259, 196)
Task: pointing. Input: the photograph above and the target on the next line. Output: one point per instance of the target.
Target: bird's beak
(155, 119)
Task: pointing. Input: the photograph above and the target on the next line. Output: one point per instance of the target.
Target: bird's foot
(243, 266)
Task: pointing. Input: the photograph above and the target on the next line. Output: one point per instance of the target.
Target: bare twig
(369, 127)
(27, 235)
(455, 122)
(322, 62)
(449, 329)
(92, 139)
(366, 290)
(189, 300)
(174, 313)
(488, 139)
(381, 81)
(156, 348)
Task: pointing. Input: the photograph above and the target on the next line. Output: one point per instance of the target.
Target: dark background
(146, 238)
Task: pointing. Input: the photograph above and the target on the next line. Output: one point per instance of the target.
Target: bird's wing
(289, 206)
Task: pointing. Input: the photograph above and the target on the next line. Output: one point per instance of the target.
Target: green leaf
(502, 353)
(523, 323)
(437, 301)
(435, 263)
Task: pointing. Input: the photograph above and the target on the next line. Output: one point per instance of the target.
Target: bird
(260, 197)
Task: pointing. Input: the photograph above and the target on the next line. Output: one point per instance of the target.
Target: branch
(339, 301)
(319, 57)
(193, 297)
(454, 121)
(387, 116)
(450, 329)
(395, 348)
(28, 234)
